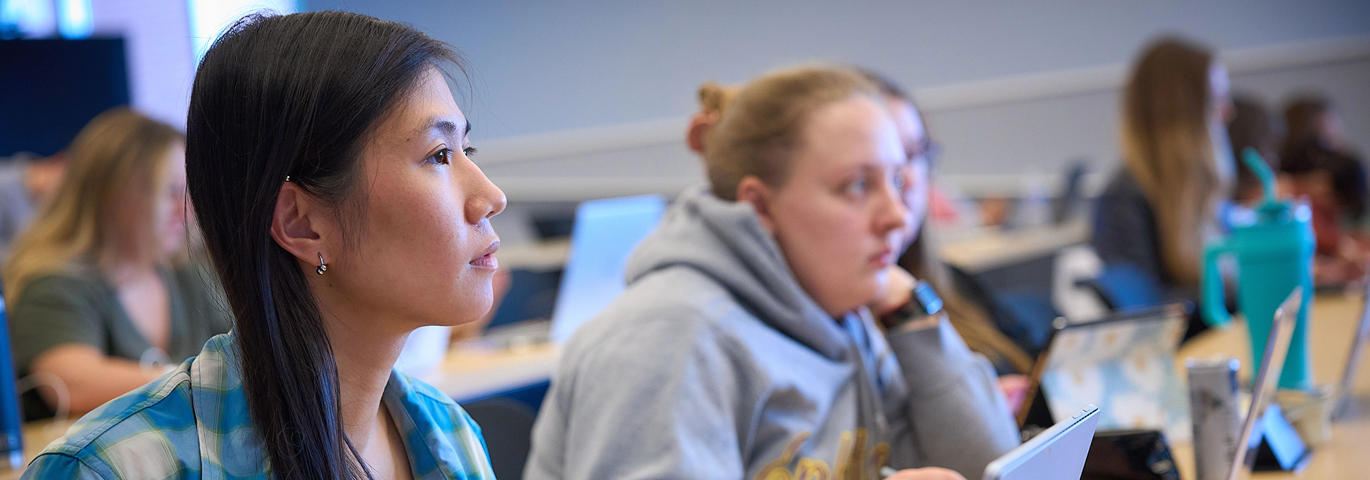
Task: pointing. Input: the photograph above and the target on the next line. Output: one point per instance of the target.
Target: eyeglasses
(929, 152)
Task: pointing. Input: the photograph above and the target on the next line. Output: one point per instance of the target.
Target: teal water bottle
(1274, 253)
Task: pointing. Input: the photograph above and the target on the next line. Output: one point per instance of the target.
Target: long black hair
(277, 96)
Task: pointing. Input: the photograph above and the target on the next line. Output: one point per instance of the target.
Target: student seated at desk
(1323, 171)
(919, 250)
(327, 161)
(1311, 118)
(1334, 185)
(1251, 127)
(1160, 209)
(98, 287)
(742, 347)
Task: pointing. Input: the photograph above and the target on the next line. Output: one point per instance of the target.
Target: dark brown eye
(443, 157)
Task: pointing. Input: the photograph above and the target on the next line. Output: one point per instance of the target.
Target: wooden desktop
(1332, 326)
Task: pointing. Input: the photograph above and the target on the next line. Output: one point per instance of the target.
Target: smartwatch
(923, 301)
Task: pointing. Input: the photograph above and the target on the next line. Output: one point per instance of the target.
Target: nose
(485, 199)
(892, 214)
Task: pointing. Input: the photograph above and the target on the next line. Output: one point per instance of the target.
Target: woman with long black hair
(327, 163)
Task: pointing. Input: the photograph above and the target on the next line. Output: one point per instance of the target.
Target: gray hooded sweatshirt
(715, 364)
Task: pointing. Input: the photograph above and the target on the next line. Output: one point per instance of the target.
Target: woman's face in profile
(914, 138)
(171, 202)
(423, 249)
(837, 216)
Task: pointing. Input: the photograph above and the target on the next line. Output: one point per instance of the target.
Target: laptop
(1124, 363)
(1353, 361)
(1057, 453)
(604, 234)
(1263, 388)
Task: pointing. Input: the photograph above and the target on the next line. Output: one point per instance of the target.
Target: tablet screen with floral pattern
(1126, 367)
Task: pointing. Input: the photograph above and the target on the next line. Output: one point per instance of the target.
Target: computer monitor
(50, 89)
(603, 236)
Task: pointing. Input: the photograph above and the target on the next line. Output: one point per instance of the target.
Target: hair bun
(713, 96)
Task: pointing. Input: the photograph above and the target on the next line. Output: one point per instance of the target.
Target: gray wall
(573, 102)
(548, 65)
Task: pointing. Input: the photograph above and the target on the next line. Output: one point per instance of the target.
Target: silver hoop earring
(323, 267)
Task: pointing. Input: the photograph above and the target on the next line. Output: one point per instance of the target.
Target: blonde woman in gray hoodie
(743, 347)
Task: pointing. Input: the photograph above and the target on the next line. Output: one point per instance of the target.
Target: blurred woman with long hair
(920, 253)
(98, 286)
(1161, 207)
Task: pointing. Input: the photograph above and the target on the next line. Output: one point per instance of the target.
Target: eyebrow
(447, 127)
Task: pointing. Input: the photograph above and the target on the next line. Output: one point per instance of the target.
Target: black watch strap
(923, 301)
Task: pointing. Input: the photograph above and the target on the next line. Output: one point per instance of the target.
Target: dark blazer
(1125, 233)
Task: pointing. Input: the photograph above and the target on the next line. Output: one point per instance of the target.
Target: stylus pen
(887, 472)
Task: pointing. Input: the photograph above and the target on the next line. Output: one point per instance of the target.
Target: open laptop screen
(603, 236)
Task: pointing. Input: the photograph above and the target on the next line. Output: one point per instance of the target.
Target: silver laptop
(1345, 390)
(1057, 453)
(1263, 388)
(603, 236)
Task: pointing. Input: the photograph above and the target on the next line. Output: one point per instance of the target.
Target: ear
(296, 224)
(755, 192)
(699, 129)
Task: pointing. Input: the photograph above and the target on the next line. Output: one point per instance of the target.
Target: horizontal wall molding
(1061, 83)
(537, 189)
(1022, 88)
(532, 189)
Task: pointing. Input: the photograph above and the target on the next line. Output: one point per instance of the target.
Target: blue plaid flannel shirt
(193, 423)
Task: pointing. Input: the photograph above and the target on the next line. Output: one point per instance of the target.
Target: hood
(726, 242)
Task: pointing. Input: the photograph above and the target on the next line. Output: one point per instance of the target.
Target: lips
(487, 258)
(883, 258)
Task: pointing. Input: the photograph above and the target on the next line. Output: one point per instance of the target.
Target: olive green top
(68, 308)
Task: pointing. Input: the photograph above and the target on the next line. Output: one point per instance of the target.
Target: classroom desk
(994, 248)
(474, 373)
(37, 436)
(974, 250)
(1333, 323)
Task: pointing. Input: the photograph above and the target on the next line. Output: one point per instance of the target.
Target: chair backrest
(1072, 292)
(1071, 202)
(1125, 286)
(11, 424)
(508, 428)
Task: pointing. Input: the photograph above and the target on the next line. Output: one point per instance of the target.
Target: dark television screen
(49, 89)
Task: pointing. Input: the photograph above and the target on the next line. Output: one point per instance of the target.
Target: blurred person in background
(1160, 209)
(1251, 127)
(743, 347)
(101, 296)
(1310, 118)
(920, 254)
(1333, 183)
(1324, 172)
(26, 182)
